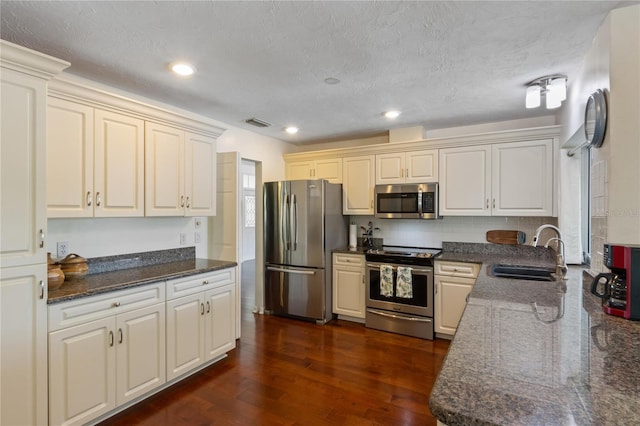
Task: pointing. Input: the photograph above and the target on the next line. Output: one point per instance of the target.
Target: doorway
(249, 206)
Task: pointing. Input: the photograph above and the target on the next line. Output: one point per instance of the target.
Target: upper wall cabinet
(329, 169)
(110, 156)
(180, 172)
(407, 167)
(507, 179)
(358, 184)
(95, 162)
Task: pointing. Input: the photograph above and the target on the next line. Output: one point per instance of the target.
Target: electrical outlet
(197, 223)
(62, 249)
(196, 237)
(183, 238)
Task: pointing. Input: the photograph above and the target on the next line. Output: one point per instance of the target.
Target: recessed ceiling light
(292, 130)
(392, 114)
(182, 68)
(331, 80)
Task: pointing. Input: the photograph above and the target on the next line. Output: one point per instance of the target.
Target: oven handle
(377, 265)
(402, 317)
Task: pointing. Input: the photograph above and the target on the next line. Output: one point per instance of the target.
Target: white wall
(431, 233)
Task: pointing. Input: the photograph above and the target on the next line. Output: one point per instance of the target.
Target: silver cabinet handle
(202, 309)
(120, 336)
(371, 203)
(494, 203)
(111, 338)
(182, 201)
(188, 202)
(98, 199)
(89, 199)
(437, 285)
(42, 238)
(487, 203)
(115, 304)
(208, 307)
(41, 289)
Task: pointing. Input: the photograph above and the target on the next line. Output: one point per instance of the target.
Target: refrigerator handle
(294, 213)
(286, 223)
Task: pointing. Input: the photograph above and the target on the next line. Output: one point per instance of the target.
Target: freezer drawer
(299, 292)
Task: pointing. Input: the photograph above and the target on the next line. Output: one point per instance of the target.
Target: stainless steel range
(400, 295)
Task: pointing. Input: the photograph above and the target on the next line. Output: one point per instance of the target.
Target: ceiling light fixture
(331, 80)
(182, 68)
(553, 87)
(392, 114)
(292, 130)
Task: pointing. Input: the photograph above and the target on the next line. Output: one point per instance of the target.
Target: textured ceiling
(441, 63)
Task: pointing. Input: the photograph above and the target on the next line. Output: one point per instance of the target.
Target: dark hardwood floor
(290, 372)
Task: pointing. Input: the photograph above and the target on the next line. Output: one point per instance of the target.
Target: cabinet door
(357, 186)
(465, 181)
(185, 334)
(451, 298)
(23, 345)
(220, 317)
(69, 159)
(82, 379)
(200, 175)
(164, 171)
(119, 165)
(390, 168)
(140, 346)
(421, 166)
(23, 220)
(329, 169)
(522, 178)
(348, 292)
(299, 170)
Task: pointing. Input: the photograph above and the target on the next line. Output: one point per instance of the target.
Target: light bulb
(392, 114)
(558, 88)
(182, 69)
(533, 96)
(292, 130)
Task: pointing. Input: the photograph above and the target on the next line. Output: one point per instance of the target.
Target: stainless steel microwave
(407, 201)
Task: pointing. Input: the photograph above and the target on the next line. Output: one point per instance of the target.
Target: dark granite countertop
(102, 282)
(348, 250)
(561, 361)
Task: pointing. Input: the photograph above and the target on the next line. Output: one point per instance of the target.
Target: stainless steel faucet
(561, 265)
(534, 241)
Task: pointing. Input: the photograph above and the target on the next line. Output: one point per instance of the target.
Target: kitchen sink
(522, 272)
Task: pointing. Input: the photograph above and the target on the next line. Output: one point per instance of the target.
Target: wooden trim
(29, 61)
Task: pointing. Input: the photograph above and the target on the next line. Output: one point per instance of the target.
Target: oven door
(421, 300)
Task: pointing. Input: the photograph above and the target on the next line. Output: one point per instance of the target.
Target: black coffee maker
(620, 292)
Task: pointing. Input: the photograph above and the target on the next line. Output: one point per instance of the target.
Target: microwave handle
(419, 202)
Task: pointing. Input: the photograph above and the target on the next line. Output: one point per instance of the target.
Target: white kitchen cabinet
(23, 345)
(358, 182)
(407, 167)
(200, 320)
(95, 162)
(349, 287)
(329, 169)
(105, 351)
(508, 179)
(453, 281)
(24, 76)
(180, 170)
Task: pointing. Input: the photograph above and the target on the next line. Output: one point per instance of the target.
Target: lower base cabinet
(348, 285)
(200, 327)
(453, 281)
(109, 350)
(102, 364)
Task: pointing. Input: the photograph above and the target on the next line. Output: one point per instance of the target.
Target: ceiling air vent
(256, 122)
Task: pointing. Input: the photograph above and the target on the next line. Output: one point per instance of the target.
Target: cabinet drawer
(79, 311)
(457, 269)
(201, 282)
(354, 260)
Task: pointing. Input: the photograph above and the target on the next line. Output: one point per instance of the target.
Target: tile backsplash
(431, 233)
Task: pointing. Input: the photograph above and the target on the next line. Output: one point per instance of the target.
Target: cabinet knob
(205, 282)
(115, 304)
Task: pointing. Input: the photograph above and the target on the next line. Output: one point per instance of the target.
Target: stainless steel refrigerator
(303, 223)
